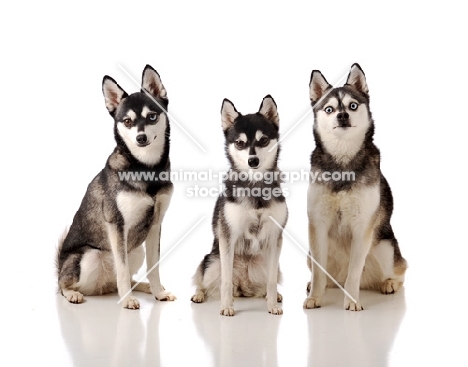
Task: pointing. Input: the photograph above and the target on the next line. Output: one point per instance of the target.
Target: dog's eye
(152, 117)
(329, 109)
(239, 144)
(127, 122)
(353, 106)
(264, 141)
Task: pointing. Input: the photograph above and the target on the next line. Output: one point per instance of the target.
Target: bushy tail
(59, 249)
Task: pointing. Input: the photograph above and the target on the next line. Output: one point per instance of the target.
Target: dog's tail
(61, 240)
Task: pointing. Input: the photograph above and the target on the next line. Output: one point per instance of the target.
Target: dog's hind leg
(68, 277)
(391, 264)
(91, 273)
(199, 295)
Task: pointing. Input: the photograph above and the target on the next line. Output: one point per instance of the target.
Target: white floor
(405, 329)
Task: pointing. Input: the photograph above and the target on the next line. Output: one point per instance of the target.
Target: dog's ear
(151, 82)
(113, 94)
(318, 86)
(357, 79)
(269, 110)
(228, 114)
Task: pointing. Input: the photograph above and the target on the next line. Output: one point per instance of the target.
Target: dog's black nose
(253, 162)
(342, 116)
(141, 139)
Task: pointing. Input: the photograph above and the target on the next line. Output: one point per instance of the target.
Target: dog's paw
(74, 297)
(279, 297)
(353, 306)
(131, 303)
(165, 296)
(311, 302)
(228, 311)
(198, 297)
(390, 286)
(275, 310)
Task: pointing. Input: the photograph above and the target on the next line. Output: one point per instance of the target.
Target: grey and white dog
(103, 247)
(349, 220)
(244, 260)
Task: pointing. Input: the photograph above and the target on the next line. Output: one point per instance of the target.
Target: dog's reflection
(237, 340)
(105, 334)
(365, 338)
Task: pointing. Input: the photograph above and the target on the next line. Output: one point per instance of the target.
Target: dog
(244, 259)
(349, 220)
(103, 249)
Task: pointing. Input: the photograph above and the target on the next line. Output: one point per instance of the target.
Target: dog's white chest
(254, 225)
(133, 206)
(347, 207)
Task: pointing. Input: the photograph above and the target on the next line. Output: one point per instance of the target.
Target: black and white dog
(103, 247)
(349, 220)
(244, 260)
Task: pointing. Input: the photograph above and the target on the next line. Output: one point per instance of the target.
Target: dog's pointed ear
(318, 86)
(357, 79)
(151, 82)
(228, 114)
(269, 110)
(113, 94)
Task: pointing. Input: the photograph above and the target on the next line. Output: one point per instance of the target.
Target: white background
(57, 133)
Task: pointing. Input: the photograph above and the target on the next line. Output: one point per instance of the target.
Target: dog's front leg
(226, 254)
(272, 286)
(318, 241)
(360, 246)
(152, 262)
(118, 241)
(153, 247)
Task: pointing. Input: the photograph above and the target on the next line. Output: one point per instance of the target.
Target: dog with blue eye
(103, 247)
(350, 234)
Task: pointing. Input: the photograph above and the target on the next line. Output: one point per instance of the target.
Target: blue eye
(329, 109)
(152, 116)
(353, 106)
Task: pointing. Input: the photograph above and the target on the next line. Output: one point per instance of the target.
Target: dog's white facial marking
(266, 158)
(242, 137)
(145, 111)
(151, 153)
(258, 135)
(342, 143)
(240, 157)
(131, 115)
